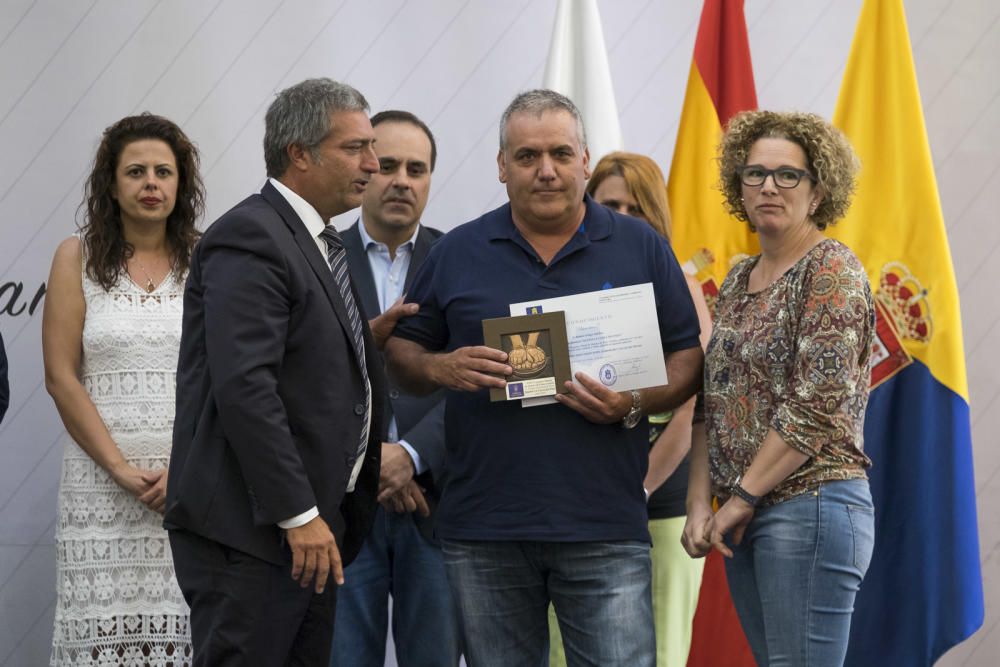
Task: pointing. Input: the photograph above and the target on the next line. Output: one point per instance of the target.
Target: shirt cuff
(418, 465)
(299, 520)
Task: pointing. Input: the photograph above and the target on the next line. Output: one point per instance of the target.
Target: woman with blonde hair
(633, 184)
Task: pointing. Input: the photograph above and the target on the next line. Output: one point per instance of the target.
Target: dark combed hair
(397, 116)
(102, 234)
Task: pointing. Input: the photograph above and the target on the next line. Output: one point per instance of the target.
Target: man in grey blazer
(400, 557)
(275, 462)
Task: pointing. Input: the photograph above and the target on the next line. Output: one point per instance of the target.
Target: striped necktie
(337, 257)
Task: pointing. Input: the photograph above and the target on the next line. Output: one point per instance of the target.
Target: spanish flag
(923, 592)
(706, 238)
(720, 85)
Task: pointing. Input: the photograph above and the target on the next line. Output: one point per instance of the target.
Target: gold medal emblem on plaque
(526, 358)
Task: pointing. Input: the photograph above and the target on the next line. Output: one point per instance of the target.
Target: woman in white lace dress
(110, 336)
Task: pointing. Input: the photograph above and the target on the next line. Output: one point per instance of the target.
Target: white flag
(578, 68)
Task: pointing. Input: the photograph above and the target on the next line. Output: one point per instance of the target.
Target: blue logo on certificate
(515, 390)
(533, 310)
(608, 375)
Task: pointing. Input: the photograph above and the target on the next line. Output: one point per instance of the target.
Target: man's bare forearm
(410, 364)
(420, 371)
(684, 372)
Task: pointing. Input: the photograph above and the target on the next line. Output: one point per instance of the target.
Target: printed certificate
(613, 336)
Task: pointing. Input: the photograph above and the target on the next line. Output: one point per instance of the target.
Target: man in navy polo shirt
(544, 504)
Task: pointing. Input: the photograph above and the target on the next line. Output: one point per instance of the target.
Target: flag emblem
(906, 300)
(901, 312)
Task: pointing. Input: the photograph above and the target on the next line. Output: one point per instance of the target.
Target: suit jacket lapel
(361, 272)
(315, 259)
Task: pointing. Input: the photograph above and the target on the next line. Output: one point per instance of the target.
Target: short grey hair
(300, 115)
(537, 102)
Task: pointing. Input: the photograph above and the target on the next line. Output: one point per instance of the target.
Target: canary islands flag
(923, 592)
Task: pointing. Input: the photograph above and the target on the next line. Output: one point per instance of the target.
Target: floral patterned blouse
(793, 357)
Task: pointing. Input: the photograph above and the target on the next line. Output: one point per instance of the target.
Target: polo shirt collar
(596, 224)
(597, 220)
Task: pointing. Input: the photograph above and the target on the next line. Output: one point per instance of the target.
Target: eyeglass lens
(784, 177)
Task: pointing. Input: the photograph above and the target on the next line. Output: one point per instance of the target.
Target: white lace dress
(118, 600)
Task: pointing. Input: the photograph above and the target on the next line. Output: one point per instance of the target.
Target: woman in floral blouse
(786, 386)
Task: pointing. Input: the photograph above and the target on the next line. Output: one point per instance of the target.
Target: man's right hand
(409, 499)
(383, 325)
(471, 368)
(397, 470)
(314, 554)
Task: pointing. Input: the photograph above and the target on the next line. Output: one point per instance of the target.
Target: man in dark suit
(275, 463)
(400, 557)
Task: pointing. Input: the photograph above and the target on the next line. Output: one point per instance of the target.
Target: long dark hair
(102, 233)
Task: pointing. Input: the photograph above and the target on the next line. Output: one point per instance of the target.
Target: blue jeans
(600, 591)
(794, 577)
(396, 560)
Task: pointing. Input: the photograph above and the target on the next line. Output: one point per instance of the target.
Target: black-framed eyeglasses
(754, 175)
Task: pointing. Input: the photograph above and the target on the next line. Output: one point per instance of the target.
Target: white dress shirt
(389, 274)
(314, 224)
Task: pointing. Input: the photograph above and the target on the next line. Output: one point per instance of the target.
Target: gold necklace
(150, 285)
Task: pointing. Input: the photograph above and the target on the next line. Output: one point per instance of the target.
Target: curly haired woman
(786, 386)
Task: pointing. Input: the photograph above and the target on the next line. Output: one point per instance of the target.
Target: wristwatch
(738, 491)
(634, 414)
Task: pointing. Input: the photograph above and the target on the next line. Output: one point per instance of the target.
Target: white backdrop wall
(70, 68)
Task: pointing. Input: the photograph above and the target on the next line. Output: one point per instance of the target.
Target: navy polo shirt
(542, 473)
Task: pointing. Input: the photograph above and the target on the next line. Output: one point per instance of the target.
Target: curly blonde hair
(829, 157)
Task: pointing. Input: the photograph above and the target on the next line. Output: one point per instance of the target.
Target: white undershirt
(315, 225)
